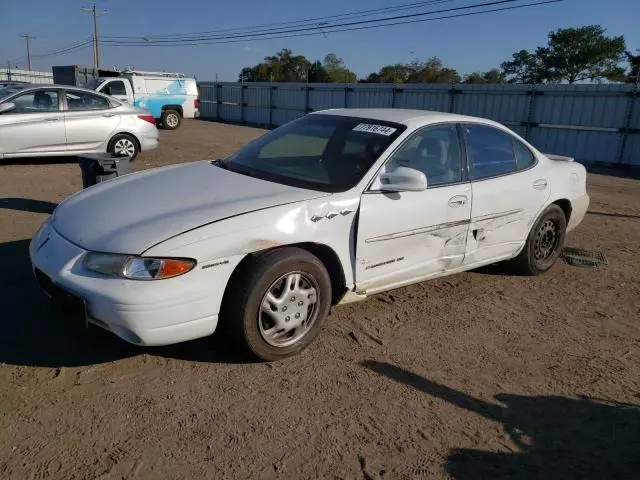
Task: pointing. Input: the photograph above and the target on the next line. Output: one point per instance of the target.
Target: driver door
(406, 237)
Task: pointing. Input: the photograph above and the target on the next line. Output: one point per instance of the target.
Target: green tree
(571, 55)
(585, 53)
(524, 67)
(282, 67)
(318, 74)
(337, 70)
(431, 71)
(634, 68)
(493, 76)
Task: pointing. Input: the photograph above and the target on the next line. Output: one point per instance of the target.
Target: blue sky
(467, 44)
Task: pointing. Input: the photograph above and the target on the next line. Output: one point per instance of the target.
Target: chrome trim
(441, 226)
(417, 231)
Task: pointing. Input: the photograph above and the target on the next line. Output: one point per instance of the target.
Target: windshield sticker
(370, 128)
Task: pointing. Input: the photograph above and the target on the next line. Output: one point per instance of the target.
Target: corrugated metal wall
(14, 75)
(593, 123)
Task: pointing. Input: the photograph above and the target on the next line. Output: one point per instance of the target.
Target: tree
(493, 76)
(585, 53)
(571, 55)
(282, 67)
(318, 74)
(634, 71)
(525, 67)
(432, 71)
(337, 70)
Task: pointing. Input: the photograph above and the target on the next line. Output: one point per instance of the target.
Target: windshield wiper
(220, 163)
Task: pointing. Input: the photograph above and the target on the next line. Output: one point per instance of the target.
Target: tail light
(196, 104)
(147, 118)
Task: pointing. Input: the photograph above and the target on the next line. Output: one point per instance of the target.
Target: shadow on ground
(558, 437)
(619, 171)
(39, 160)
(617, 215)
(27, 205)
(34, 333)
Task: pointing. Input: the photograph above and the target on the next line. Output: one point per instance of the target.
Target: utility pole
(28, 37)
(96, 46)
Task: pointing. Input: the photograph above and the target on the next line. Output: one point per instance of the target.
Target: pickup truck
(169, 97)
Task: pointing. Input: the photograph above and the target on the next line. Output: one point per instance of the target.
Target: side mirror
(7, 107)
(403, 179)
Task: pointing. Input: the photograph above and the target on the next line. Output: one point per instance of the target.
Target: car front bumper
(158, 312)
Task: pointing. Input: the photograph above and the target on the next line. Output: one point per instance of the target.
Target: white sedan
(328, 209)
(59, 120)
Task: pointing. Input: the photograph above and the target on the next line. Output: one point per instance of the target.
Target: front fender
(330, 222)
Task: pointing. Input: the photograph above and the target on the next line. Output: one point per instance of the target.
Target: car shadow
(617, 215)
(619, 171)
(34, 333)
(39, 160)
(28, 205)
(497, 269)
(556, 437)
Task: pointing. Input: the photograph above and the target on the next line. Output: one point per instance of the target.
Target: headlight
(137, 268)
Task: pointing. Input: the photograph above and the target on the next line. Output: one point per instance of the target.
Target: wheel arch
(324, 253)
(170, 106)
(565, 206)
(127, 133)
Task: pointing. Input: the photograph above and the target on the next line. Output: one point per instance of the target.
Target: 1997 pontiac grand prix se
(327, 209)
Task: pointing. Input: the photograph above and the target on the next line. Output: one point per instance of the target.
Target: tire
(124, 144)
(171, 119)
(544, 243)
(253, 326)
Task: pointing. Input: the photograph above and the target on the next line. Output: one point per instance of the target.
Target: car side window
(490, 152)
(524, 157)
(435, 151)
(81, 101)
(115, 87)
(39, 101)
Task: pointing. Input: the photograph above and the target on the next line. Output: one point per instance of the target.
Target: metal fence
(593, 123)
(15, 75)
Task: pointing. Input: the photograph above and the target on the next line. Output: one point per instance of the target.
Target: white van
(170, 97)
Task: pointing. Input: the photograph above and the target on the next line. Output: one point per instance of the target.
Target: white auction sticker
(370, 128)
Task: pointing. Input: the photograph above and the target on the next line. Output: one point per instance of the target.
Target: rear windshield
(321, 152)
(9, 90)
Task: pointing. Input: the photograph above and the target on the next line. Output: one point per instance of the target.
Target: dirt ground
(481, 375)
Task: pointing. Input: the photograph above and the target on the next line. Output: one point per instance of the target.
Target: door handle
(51, 119)
(457, 201)
(108, 115)
(540, 184)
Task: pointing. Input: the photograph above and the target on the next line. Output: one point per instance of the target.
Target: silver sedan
(58, 120)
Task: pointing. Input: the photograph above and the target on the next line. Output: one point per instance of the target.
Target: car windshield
(9, 90)
(329, 153)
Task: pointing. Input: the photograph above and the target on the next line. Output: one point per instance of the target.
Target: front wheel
(280, 304)
(544, 243)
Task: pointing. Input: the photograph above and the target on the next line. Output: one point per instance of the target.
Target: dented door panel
(409, 236)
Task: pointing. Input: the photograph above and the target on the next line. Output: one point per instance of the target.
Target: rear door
(36, 125)
(89, 120)
(509, 191)
(410, 236)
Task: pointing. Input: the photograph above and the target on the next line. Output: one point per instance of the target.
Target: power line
(64, 50)
(96, 47)
(28, 37)
(341, 27)
(257, 28)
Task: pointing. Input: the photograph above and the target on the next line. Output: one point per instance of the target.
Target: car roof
(402, 115)
(35, 86)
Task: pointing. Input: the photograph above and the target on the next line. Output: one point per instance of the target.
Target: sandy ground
(481, 375)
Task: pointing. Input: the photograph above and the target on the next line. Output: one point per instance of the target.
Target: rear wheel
(544, 243)
(171, 119)
(280, 304)
(124, 145)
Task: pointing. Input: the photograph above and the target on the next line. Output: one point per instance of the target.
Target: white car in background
(328, 209)
(58, 120)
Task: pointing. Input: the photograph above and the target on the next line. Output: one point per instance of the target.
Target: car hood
(132, 213)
